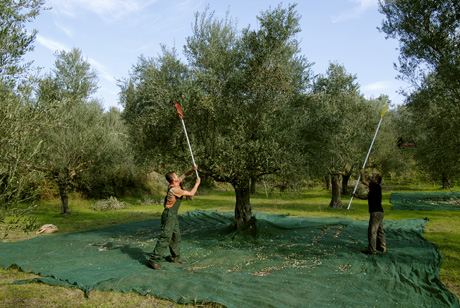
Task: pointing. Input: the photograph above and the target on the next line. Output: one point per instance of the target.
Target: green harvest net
(426, 201)
(292, 262)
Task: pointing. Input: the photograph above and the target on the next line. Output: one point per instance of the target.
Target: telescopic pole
(181, 116)
(369, 152)
(266, 192)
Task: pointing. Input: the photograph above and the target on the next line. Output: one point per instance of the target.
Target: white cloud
(51, 45)
(64, 29)
(378, 86)
(56, 46)
(188, 5)
(102, 70)
(108, 10)
(360, 6)
(375, 89)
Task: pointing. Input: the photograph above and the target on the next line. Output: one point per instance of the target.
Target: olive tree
(437, 120)
(235, 93)
(147, 98)
(75, 143)
(428, 32)
(114, 171)
(339, 127)
(20, 120)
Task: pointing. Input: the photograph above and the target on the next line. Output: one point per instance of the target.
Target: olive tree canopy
(235, 93)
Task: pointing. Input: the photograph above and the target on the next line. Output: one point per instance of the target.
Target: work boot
(175, 260)
(180, 261)
(384, 249)
(368, 252)
(155, 266)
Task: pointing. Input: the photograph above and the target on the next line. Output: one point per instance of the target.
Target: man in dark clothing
(170, 232)
(375, 233)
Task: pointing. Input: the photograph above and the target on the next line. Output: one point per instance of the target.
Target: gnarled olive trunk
(336, 201)
(243, 211)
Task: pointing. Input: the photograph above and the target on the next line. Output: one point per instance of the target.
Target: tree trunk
(65, 210)
(243, 212)
(336, 201)
(327, 179)
(446, 183)
(345, 179)
(346, 173)
(253, 186)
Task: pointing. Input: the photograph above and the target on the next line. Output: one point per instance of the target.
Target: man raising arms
(170, 232)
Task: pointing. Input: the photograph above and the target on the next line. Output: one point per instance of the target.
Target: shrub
(109, 204)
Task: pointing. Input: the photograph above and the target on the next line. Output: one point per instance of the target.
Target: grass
(443, 229)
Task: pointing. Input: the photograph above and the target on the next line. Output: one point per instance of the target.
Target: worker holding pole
(375, 233)
(170, 233)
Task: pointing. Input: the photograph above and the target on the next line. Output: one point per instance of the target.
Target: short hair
(169, 176)
(378, 178)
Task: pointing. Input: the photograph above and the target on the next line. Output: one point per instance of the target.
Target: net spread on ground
(289, 262)
(426, 201)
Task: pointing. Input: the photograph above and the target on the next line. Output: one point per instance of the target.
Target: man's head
(376, 178)
(170, 177)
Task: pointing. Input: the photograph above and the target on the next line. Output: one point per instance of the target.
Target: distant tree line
(253, 106)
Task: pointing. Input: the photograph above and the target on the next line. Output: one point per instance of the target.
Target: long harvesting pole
(369, 152)
(181, 116)
(266, 192)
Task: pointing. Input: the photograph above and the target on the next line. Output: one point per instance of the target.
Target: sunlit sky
(112, 34)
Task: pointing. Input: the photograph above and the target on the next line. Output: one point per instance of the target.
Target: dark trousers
(169, 237)
(375, 233)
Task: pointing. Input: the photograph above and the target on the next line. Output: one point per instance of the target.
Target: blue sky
(112, 34)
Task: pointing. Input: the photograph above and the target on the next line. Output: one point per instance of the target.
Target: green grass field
(443, 229)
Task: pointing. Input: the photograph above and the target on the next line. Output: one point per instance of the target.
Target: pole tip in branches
(179, 110)
(384, 110)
